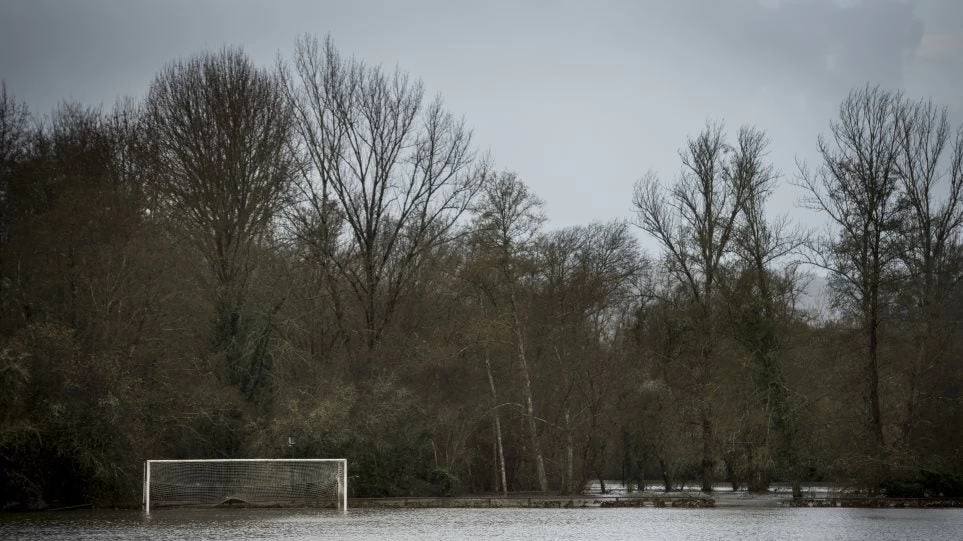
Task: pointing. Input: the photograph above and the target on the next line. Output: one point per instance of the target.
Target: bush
(942, 484)
(929, 484)
(902, 489)
(443, 482)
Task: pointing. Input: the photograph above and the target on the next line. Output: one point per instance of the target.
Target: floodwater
(535, 524)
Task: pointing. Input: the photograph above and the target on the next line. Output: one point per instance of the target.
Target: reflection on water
(617, 488)
(537, 524)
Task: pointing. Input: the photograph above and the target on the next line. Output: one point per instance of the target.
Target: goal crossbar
(281, 482)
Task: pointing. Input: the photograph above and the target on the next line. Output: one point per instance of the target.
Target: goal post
(282, 482)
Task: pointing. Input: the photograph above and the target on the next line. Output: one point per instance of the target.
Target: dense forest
(314, 259)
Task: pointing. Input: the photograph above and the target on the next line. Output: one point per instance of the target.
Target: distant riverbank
(671, 500)
(617, 496)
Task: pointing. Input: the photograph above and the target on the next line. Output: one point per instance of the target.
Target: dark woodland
(314, 259)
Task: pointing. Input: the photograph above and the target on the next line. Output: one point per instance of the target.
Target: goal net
(251, 482)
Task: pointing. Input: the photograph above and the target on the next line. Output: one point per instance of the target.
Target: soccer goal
(252, 482)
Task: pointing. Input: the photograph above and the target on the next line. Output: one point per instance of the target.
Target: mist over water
(534, 524)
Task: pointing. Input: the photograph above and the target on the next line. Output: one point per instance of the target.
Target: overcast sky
(579, 98)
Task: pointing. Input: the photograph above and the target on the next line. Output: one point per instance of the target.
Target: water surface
(535, 524)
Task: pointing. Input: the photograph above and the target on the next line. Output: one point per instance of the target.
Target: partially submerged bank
(881, 503)
(535, 502)
(685, 501)
(678, 500)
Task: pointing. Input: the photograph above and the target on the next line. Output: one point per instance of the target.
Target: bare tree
(14, 127)
(390, 175)
(508, 220)
(14, 134)
(496, 417)
(857, 189)
(931, 196)
(762, 307)
(588, 276)
(694, 223)
(221, 132)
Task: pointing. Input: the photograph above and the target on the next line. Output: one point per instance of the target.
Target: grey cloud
(818, 43)
(581, 98)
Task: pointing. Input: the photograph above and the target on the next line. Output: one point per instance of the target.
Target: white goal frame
(342, 477)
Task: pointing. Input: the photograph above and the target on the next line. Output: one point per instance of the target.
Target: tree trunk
(790, 454)
(916, 370)
(730, 467)
(706, 451)
(706, 406)
(666, 478)
(872, 373)
(529, 401)
(626, 462)
(640, 470)
(569, 485)
(498, 426)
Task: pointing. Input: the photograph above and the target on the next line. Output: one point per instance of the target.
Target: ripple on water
(536, 524)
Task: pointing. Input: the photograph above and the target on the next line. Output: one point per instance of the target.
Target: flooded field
(537, 524)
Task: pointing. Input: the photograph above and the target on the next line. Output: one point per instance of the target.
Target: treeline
(315, 261)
